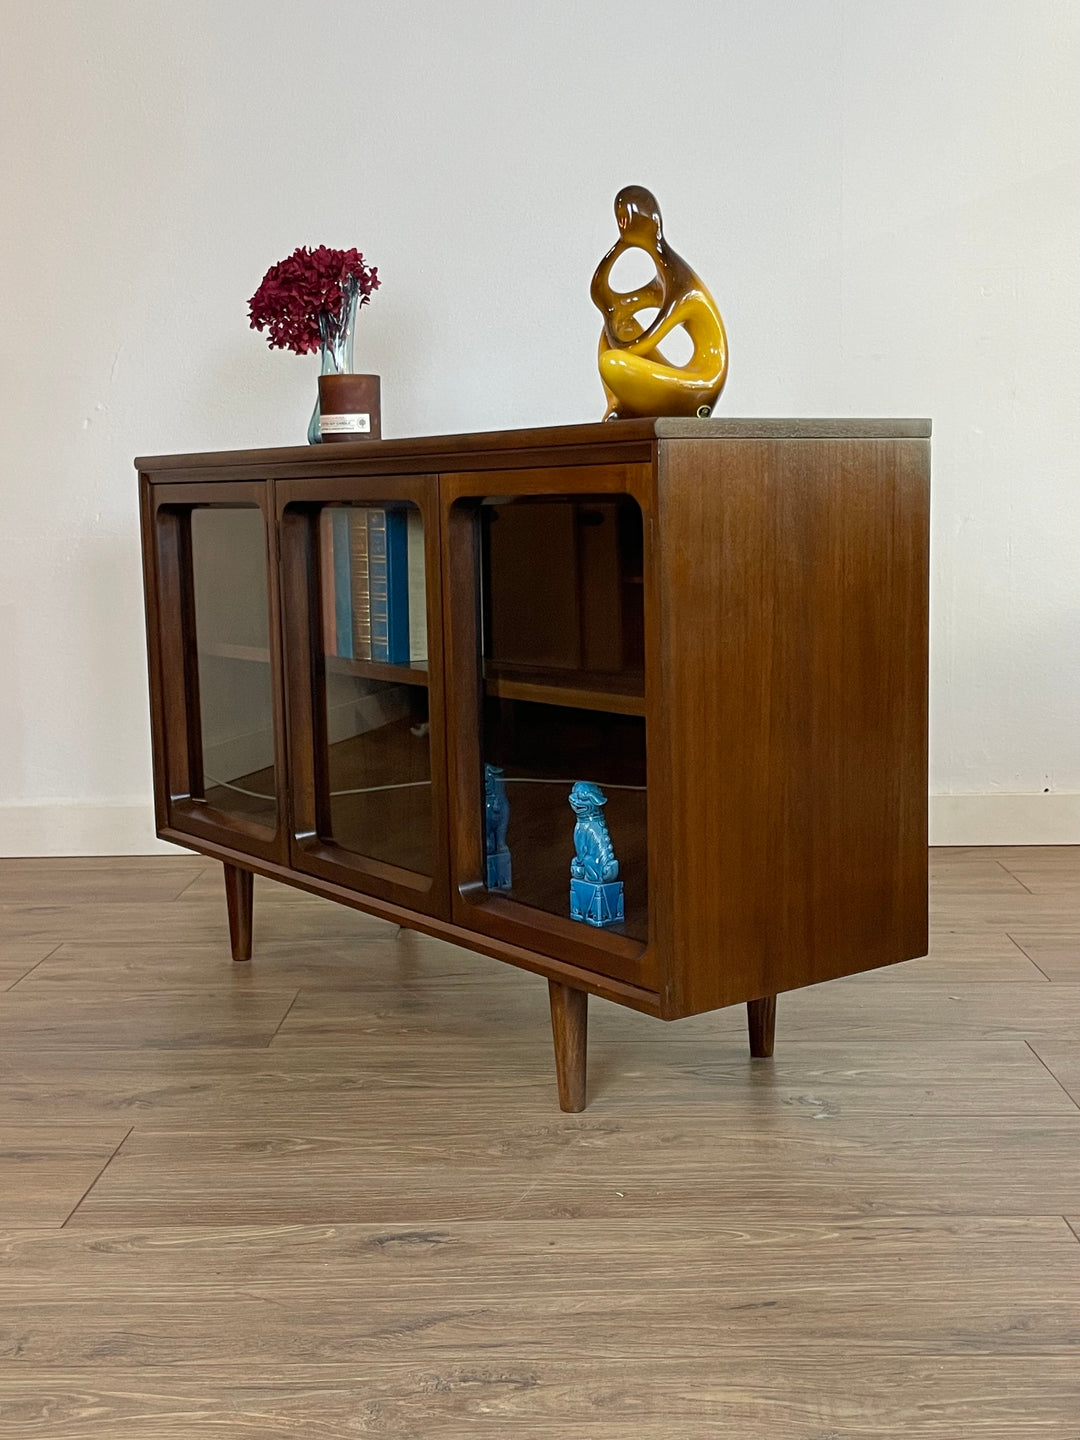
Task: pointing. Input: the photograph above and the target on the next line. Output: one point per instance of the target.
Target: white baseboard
(1005, 819)
(78, 828)
(59, 827)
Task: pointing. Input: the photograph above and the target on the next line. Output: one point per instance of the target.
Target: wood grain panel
(99, 879)
(1055, 951)
(1012, 915)
(794, 660)
(336, 963)
(1057, 874)
(931, 1012)
(768, 1396)
(350, 1172)
(392, 1075)
(504, 1260)
(31, 1019)
(286, 1325)
(999, 1166)
(852, 1010)
(1039, 859)
(1059, 1055)
(863, 1237)
(46, 1170)
(987, 963)
(811, 1161)
(17, 961)
(125, 923)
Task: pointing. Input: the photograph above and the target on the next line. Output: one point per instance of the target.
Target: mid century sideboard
(359, 651)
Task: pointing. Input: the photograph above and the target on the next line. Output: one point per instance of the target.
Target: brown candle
(349, 407)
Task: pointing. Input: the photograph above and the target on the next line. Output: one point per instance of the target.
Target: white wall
(883, 197)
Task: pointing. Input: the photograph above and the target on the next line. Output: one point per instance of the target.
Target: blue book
(388, 582)
(342, 582)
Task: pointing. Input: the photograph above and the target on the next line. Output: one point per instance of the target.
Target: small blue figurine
(497, 818)
(596, 896)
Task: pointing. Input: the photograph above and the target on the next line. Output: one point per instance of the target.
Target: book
(388, 584)
(343, 626)
(417, 588)
(360, 580)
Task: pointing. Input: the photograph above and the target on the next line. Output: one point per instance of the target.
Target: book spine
(326, 582)
(388, 571)
(417, 589)
(360, 580)
(397, 565)
(342, 583)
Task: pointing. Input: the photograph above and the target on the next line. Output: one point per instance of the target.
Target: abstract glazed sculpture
(596, 896)
(638, 379)
(496, 823)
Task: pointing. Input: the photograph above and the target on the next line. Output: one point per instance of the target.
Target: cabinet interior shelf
(377, 670)
(617, 692)
(369, 669)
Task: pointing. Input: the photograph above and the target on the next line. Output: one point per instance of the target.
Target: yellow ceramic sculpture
(638, 380)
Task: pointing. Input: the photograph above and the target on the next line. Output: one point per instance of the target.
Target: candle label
(355, 424)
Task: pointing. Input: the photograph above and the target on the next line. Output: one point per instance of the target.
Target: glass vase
(336, 348)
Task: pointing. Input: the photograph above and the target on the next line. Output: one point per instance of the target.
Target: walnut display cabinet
(720, 623)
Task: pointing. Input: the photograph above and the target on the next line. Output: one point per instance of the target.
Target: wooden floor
(330, 1194)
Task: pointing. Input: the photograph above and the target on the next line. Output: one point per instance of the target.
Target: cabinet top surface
(549, 438)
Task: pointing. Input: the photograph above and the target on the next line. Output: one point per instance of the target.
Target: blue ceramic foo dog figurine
(497, 819)
(596, 896)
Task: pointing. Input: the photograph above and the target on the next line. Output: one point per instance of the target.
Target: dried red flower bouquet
(295, 290)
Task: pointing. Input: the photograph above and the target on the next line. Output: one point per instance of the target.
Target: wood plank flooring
(330, 1193)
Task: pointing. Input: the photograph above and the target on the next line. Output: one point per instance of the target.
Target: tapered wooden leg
(238, 888)
(569, 1025)
(761, 1017)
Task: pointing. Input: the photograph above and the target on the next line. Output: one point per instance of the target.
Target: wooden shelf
(376, 670)
(369, 669)
(222, 650)
(617, 693)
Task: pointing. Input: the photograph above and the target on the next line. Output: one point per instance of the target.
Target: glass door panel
(237, 770)
(562, 636)
(374, 713)
(537, 754)
(361, 608)
(215, 658)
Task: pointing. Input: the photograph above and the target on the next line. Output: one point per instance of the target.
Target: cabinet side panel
(794, 587)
